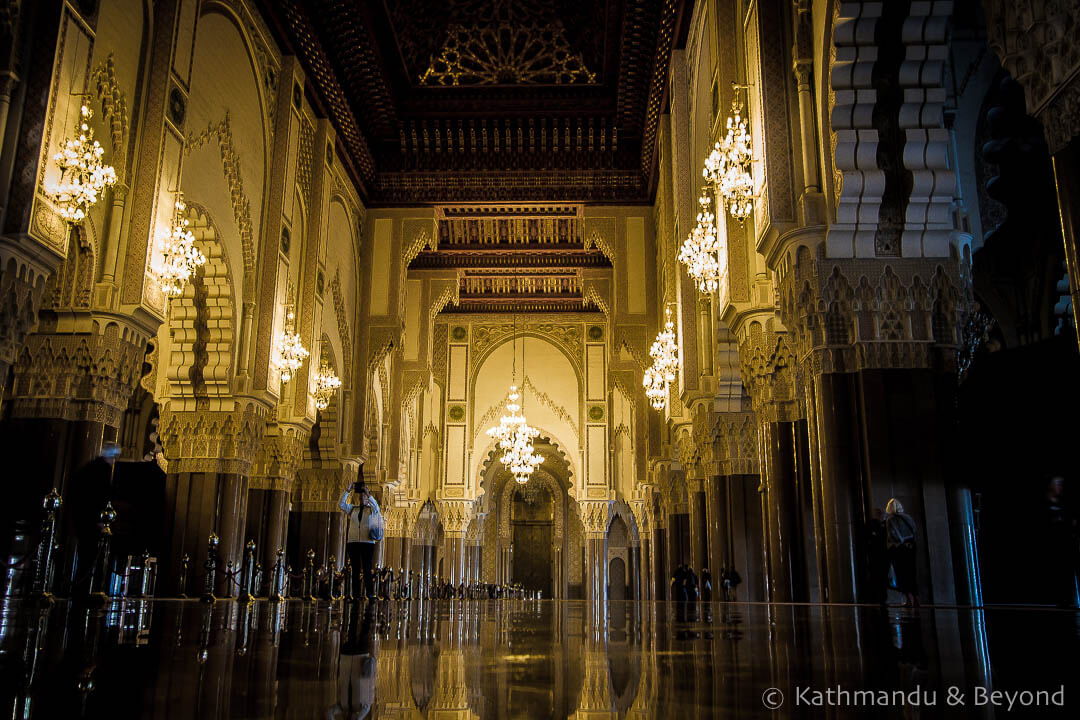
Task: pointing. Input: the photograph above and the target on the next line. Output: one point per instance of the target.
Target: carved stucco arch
(566, 350)
(211, 290)
(622, 509)
(506, 497)
(488, 460)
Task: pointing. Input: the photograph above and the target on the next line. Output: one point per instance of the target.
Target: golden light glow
(83, 175)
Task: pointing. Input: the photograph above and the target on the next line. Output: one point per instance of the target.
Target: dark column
(910, 429)
(197, 504)
(815, 533)
(661, 573)
(699, 528)
(267, 520)
(716, 520)
(747, 539)
(842, 483)
(454, 564)
(787, 578)
(1066, 164)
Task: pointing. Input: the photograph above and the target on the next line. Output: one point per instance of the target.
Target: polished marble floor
(534, 659)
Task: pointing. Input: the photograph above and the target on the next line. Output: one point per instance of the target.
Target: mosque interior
(680, 358)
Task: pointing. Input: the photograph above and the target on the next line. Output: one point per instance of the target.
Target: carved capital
(78, 367)
(455, 516)
(595, 516)
(767, 364)
(278, 459)
(22, 283)
(734, 444)
(224, 441)
(850, 315)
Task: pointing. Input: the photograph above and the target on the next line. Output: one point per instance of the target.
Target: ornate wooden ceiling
(489, 100)
(520, 257)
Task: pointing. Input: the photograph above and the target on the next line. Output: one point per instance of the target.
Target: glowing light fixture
(699, 250)
(291, 351)
(514, 434)
(326, 384)
(83, 175)
(665, 355)
(179, 258)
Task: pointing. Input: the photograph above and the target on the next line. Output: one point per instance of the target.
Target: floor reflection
(522, 659)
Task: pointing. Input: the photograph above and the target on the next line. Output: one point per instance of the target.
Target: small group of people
(365, 528)
(686, 586)
(890, 550)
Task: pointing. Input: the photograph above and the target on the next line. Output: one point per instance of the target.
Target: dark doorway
(532, 520)
(616, 579)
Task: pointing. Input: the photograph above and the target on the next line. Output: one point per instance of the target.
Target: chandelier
(179, 257)
(291, 351)
(665, 355)
(699, 250)
(326, 384)
(514, 435)
(83, 176)
(731, 173)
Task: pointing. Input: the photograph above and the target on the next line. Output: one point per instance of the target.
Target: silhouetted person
(706, 585)
(877, 558)
(730, 579)
(900, 540)
(362, 532)
(691, 582)
(356, 671)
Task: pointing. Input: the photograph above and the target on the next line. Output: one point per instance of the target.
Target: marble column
(454, 563)
(843, 489)
(716, 519)
(267, 525)
(661, 573)
(785, 557)
(698, 526)
(747, 536)
(595, 515)
(817, 543)
(196, 505)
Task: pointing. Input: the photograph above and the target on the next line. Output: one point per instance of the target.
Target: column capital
(278, 459)
(78, 366)
(217, 441)
(595, 515)
(849, 315)
(455, 516)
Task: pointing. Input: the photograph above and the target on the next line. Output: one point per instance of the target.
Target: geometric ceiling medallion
(507, 55)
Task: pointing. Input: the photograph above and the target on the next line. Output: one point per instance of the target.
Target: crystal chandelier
(699, 250)
(665, 355)
(514, 435)
(291, 351)
(83, 176)
(732, 175)
(179, 257)
(326, 384)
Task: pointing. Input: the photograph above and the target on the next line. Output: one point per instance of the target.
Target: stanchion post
(277, 594)
(43, 566)
(99, 579)
(211, 567)
(309, 591)
(144, 581)
(333, 578)
(247, 578)
(185, 565)
(348, 592)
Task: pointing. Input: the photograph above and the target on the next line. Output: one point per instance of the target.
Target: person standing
(706, 585)
(900, 540)
(363, 522)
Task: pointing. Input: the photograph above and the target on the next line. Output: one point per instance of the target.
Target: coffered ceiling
(489, 100)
